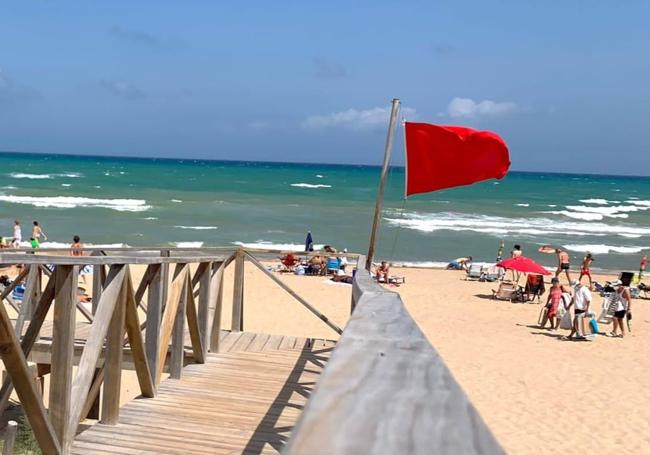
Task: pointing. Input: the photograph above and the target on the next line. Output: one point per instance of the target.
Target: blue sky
(566, 83)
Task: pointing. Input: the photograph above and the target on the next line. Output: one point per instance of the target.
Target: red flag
(440, 157)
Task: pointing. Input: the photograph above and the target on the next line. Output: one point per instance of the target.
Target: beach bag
(593, 325)
(566, 322)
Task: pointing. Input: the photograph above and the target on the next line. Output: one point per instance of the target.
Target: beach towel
(566, 322)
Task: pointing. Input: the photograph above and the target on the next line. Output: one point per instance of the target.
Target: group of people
(317, 264)
(38, 235)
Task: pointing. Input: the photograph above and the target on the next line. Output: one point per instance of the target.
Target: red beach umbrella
(524, 265)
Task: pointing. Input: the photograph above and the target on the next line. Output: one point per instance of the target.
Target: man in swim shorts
(563, 263)
(585, 268)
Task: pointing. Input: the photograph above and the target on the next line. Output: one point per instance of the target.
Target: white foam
(577, 216)
(614, 211)
(522, 205)
(318, 176)
(595, 201)
(176, 200)
(9, 187)
(188, 244)
(310, 185)
(638, 202)
(150, 218)
(422, 264)
(262, 244)
(198, 228)
(606, 249)
(21, 175)
(496, 225)
(66, 184)
(69, 202)
(58, 245)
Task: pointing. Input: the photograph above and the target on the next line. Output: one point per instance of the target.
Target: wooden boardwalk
(245, 399)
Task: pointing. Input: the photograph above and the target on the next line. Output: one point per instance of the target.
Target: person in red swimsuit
(585, 269)
(552, 304)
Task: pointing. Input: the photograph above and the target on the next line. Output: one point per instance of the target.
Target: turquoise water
(115, 201)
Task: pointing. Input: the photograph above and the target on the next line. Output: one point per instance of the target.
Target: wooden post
(10, 438)
(99, 279)
(217, 282)
(178, 336)
(237, 324)
(205, 296)
(65, 299)
(32, 294)
(156, 297)
(113, 362)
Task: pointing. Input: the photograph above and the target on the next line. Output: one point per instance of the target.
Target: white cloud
(354, 119)
(468, 108)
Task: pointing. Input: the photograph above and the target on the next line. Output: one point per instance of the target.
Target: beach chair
(333, 265)
(474, 272)
(534, 288)
(493, 273)
(608, 309)
(507, 291)
(645, 288)
(396, 280)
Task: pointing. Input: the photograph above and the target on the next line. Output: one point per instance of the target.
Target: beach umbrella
(524, 265)
(309, 242)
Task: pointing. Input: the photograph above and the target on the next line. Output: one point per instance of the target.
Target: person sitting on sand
(316, 265)
(341, 277)
(460, 264)
(77, 248)
(580, 302)
(552, 304)
(563, 263)
(289, 261)
(585, 269)
(381, 274)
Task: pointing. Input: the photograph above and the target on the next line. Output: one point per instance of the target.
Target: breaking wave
(70, 202)
(261, 244)
(310, 185)
(606, 249)
(198, 228)
(23, 175)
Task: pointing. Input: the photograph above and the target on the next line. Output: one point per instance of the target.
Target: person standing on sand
(77, 248)
(642, 265)
(552, 304)
(623, 306)
(18, 235)
(563, 263)
(581, 301)
(37, 233)
(585, 269)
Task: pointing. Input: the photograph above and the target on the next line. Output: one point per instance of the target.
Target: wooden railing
(174, 298)
(386, 390)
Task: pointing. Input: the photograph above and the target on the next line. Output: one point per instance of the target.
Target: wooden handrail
(385, 390)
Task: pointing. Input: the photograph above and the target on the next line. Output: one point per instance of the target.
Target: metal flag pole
(382, 182)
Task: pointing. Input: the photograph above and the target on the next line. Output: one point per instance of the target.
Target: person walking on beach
(642, 265)
(37, 233)
(623, 307)
(563, 263)
(585, 269)
(18, 235)
(581, 301)
(552, 304)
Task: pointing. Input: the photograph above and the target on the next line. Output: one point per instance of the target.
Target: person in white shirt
(18, 235)
(581, 301)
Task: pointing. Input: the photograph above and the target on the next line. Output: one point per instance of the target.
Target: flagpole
(382, 182)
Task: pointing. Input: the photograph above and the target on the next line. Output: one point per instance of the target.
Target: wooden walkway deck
(245, 399)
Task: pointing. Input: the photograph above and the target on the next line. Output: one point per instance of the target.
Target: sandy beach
(535, 391)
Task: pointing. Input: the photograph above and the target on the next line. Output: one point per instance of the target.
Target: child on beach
(37, 233)
(586, 270)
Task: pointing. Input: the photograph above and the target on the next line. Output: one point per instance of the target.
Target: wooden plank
(109, 300)
(156, 296)
(16, 365)
(143, 373)
(32, 294)
(30, 336)
(193, 323)
(230, 339)
(65, 299)
(399, 383)
(205, 298)
(99, 279)
(113, 361)
(273, 343)
(242, 342)
(149, 274)
(238, 294)
(169, 315)
(258, 342)
(177, 350)
(306, 304)
(287, 342)
(217, 283)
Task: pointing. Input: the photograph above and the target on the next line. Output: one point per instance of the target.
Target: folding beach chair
(493, 273)
(474, 272)
(507, 291)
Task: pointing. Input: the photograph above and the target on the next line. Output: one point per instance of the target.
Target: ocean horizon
(137, 201)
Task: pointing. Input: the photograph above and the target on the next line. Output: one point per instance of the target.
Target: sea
(117, 201)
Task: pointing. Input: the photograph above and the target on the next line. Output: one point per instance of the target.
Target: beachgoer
(515, 253)
(580, 302)
(289, 261)
(552, 304)
(623, 307)
(329, 249)
(382, 272)
(585, 269)
(460, 263)
(343, 260)
(77, 248)
(341, 277)
(37, 233)
(642, 266)
(500, 251)
(563, 263)
(18, 235)
(316, 265)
